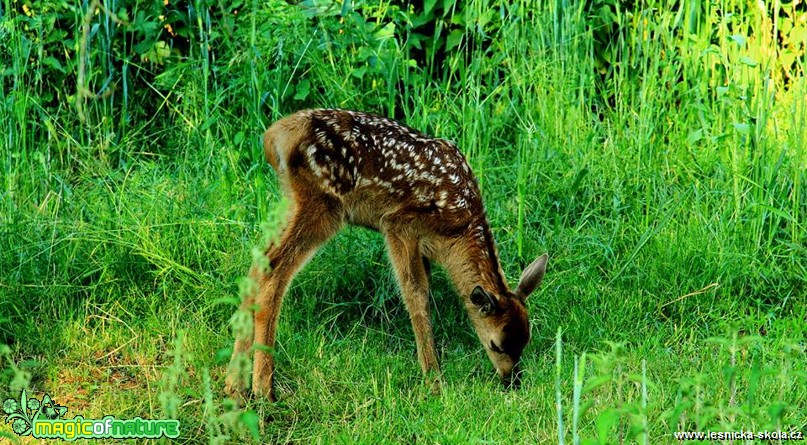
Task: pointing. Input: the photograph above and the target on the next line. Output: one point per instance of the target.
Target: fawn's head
(503, 325)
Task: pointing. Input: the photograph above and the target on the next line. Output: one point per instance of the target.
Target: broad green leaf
(421, 19)
(365, 53)
(347, 6)
(738, 39)
(605, 423)
(428, 6)
(386, 32)
(53, 63)
(453, 40)
(695, 136)
(250, 420)
(786, 58)
(596, 382)
(798, 35)
(741, 127)
(785, 25)
(302, 89)
(359, 72)
(143, 47)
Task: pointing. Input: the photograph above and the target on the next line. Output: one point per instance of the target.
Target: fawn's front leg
(413, 280)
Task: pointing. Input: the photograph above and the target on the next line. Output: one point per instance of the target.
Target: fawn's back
(376, 167)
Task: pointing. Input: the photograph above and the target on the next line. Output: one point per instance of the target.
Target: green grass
(667, 185)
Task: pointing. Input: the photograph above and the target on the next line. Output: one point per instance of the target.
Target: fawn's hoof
(235, 390)
(435, 384)
(263, 389)
(264, 393)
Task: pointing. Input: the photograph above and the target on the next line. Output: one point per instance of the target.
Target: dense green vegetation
(655, 149)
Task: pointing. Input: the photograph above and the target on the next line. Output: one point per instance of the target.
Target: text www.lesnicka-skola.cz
(739, 435)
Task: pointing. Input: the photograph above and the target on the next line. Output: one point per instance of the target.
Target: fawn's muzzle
(512, 380)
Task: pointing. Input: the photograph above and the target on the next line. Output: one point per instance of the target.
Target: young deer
(340, 167)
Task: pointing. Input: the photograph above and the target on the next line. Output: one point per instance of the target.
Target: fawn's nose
(512, 378)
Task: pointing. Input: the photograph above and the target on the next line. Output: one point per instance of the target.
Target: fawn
(338, 167)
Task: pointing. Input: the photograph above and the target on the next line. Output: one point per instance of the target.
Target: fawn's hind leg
(236, 381)
(313, 222)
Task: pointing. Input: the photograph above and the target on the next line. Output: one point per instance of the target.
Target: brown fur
(340, 167)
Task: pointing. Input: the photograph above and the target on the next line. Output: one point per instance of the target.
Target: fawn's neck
(473, 261)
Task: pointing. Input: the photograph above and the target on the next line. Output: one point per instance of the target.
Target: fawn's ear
(531, 277)
(484, 301)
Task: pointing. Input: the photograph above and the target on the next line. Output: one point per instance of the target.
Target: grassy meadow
(656, 150)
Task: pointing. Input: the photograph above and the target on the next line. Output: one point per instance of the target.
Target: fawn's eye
(495, 348)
